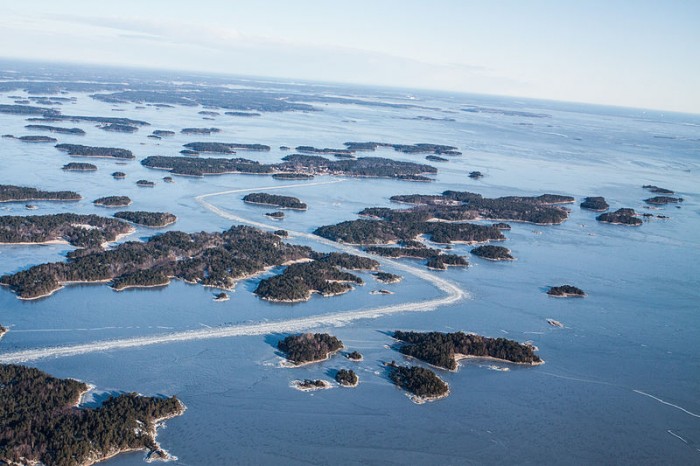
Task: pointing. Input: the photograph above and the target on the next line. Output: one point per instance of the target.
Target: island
(39, 139)
(199, 130)
(347, 378)
(57, 129)
(657, 190)
(354, 356)
(375, 167)
(436, 158)
(663, 200)
(78, 150)
(119, 175)
(292, 176)
(208, 113)
(323, 276)
(283, 202)
(119, 128)
(566, 291)
(596, 203)
(113, 201)
(310, 385)
(307, 348)
(11, 193)
(443, 261)
(243, 114)
(147, 219)
(225, 147)
(420, 148)
(423, 384)
(3, 331)
(475, 175)
(493, 253)
(75, 229)
(445, 349)
(79, 167)
(624, 216)
(168, 179)
(221, 297)
(386, 277)
(163, 133)
(275, 215)
(35, 403)
(326, 150)
(145, 184)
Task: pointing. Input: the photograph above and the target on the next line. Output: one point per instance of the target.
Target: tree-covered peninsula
(284, 202)
(79, 150)
(41, 423)
(11, 193)
(444, 349)
(309, 347)
(147, 219)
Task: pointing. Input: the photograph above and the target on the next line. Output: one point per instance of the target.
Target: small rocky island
(78, 150)
(145, 184)
(663, 200)
(354, 356)
(225, 147)
(34, 403)
(493, 253)
(113, 201)
(657, 189)
(624, 216)
(56, 129)
(163, 133)
(386, 277)
(275, 215)
(423, 384)
(147, 219)
(11, 193)
(595, 203)
(308, 348)
(221, 297)
(566, 291)
(445, 349)
(35, 139)
(347, 378)
(283, 202)
(119, 175)
(310, 385)
(79, 167)
(119, 128)
(200, 130)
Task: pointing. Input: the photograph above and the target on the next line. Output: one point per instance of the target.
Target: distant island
(566, 291)
(354, 356)
(443, 261)
(657, 190)
(79, 167)
(475, 175)
(243, 114)
(310, 385)
(663, 200)
(596, 203)
(119, 175)
(90, 151)
(284, 202)
(295, 163)
(493, 253)
(147, 219)
(35, 403)
(200, 130)
(113, 201)
(145, 183)
(308, 348)
(11, 193)
(119, 128)
(624, 216)
(422, 383)
(436, 158)
(347, 378)
(323, 276)
(225, 147)
(386, 277)
(292, 176)
(436, 259)
(328, 151)
(163, 133)
(276, 215)
(445, 349)
(37, 139)
(420, 148)
(89, 231)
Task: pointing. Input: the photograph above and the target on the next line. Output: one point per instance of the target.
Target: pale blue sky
(628, 53)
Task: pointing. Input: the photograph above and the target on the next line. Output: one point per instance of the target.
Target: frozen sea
(621, 383)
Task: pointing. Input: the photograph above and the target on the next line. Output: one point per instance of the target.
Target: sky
(632, 53)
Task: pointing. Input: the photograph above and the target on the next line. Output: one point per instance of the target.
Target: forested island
(119, 175)
(163, 133)
(624, 216)
(79, 167)
(476, 175)
(295, 163)
(276, 215)
(436, 158)
(243, 114)
(445, 349)
(420, 148)
(225, 147)
(145, 183)
(119, 128)
(88, 231)
(310, 385)
(326, 150)
(292, 176)
(322, 275)
(40, 422)
(200, 130)
(354, 356)
(39, 139)
(347, 378)
(596, 203)
(91, 151)
(11, 193)
(284, 202)
(113, 201)
(147, 219)
(566, 291)
(386, 277)
(493, 253)
(663, 200)
(422, 383)
(657, 189)
(307, 348)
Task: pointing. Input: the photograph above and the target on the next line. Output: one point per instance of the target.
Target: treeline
(147, 219)
(140, 278)
(421, 382)
(10, 193)
(39, 424)
(80, 167)
(199, 130)
(286, 202)
(88, 231)
(91, 151)
(494, 253)
(346, 377)
(212, 259)
(439, 349)
(309, 347)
